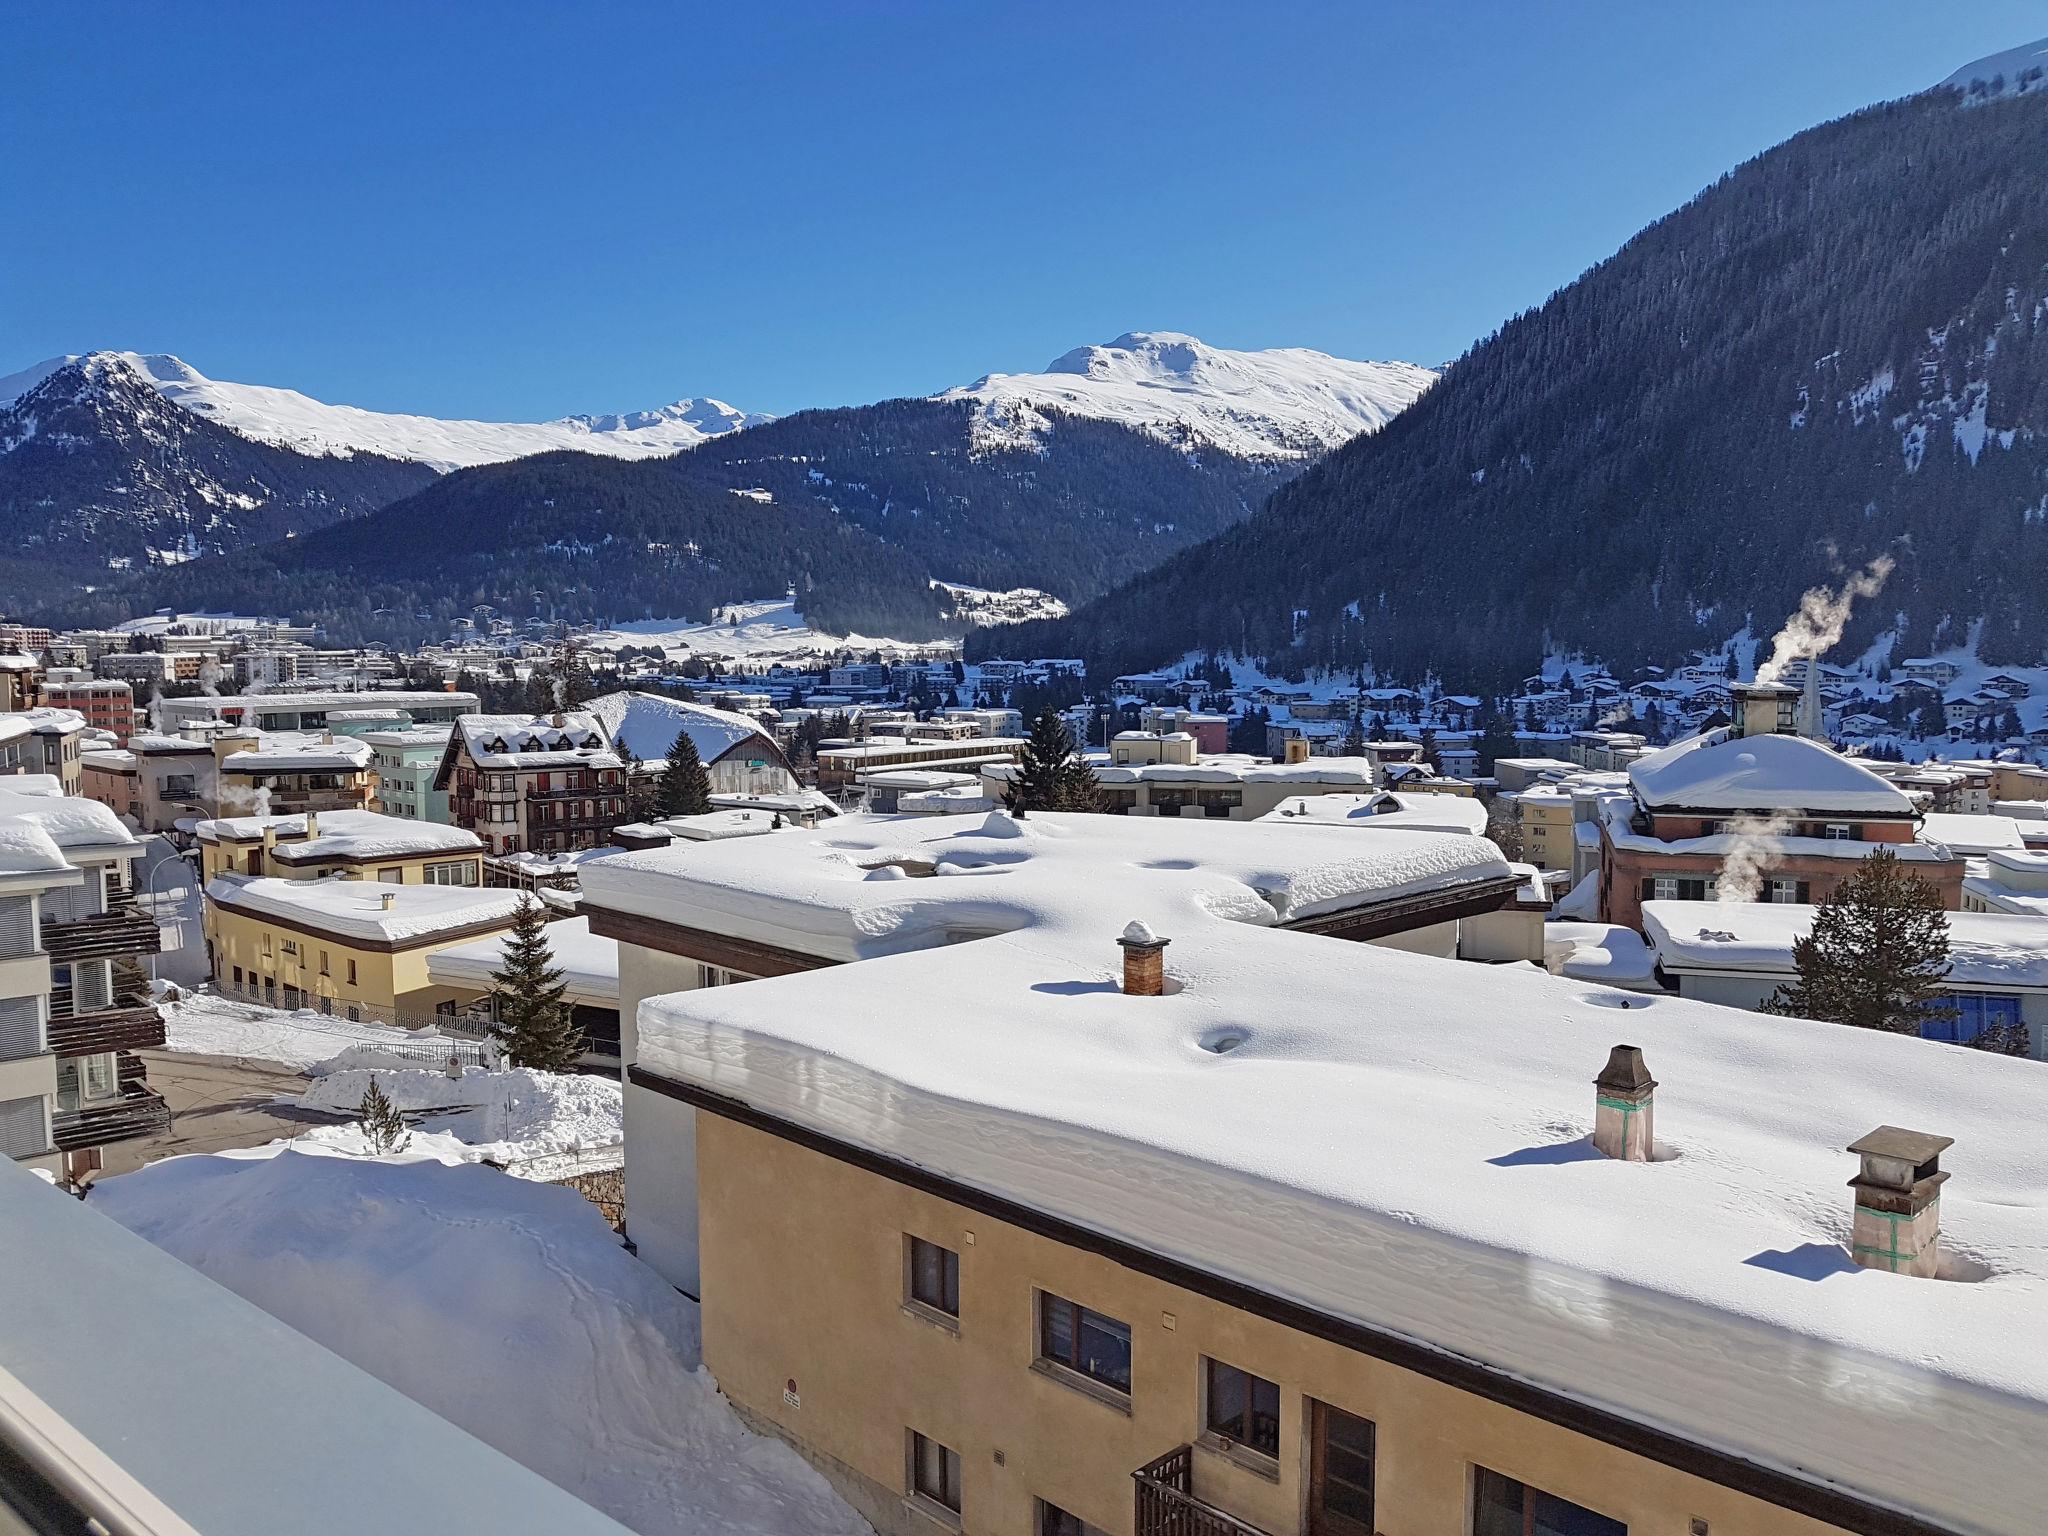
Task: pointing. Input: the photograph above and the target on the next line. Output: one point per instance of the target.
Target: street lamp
(149, 888)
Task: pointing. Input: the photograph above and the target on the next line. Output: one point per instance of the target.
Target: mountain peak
(2015, 72)
(1283, 403)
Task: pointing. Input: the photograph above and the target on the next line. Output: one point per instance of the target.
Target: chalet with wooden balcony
(546, 784)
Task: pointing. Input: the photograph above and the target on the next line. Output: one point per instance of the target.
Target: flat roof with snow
(589, 965)
(1986, 949)
(1394, 1141)
(354, 836)
(356, 910)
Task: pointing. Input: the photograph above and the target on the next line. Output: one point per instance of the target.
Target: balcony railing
(120, 930)
(129, 1022)
(135, 1113)
(1167, 1505)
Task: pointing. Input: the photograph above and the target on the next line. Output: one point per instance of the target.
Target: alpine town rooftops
(520, 741)
(1393, 1141)
(366, 910)
(341, 836)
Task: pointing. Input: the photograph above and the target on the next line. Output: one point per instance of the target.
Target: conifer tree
(381, 1124)
(1877, 953)
(1044, 777)
(685, 786)
(534, 1023)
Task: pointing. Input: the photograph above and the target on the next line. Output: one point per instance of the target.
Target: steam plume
(1756, 839)
(1822, 616)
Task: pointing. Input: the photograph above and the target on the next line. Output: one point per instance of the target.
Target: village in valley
(1211, 940)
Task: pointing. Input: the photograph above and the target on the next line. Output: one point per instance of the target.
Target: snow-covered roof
(1616, 812)
(646, 724)
(1970, 835)
(43, 718)
(1384, 812)
(353, 835)
(307, 702)
(589, 965)
(1986, 949)
(1717, 772)
(355, 909)
(299, 752)
(536, 741)
(851, 888)
(715, 826)
(1606, 953)
(1394, 1139)
(42, 821)
(1230, 768)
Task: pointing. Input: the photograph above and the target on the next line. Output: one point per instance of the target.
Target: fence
(466, 1038)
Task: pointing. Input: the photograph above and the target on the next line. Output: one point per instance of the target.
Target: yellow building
(1545, 817)
(353, 947)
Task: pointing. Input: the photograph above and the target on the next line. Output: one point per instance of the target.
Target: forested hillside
(1840, 349)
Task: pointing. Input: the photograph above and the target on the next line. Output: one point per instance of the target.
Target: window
(1054, 1521)
(1678, 888)
(291, 997)
(238, 978)
(323, 962)
(1244, 1409)
(934, 1472)
(1341, 1457)
(1096, 1346)
(391, 876)
(715, 976)
(1839, 832)
(935, 1277)
(1968, 1015)
(456, 872)
(351, 973)
(1785, 891)
(291, 946)
(1503, 1507)
(1219, 802)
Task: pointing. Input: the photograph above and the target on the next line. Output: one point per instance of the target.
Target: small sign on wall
(789, 1394)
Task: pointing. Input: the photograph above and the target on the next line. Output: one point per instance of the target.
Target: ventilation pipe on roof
(1144, 961)
(387, 900)
(1623, 1106)
(1897, 1224)
(312, 822)
(1296, 749)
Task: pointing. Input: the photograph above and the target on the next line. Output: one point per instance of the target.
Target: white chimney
(312, 823)
(388, 900)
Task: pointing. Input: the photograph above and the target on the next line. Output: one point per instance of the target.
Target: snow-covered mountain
(284, 418)
(1286, 403)
(2015, 72)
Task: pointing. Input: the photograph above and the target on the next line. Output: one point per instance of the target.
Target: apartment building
(74, 1001)
(352, 947)
(154, 782)
(288, 772)
(344, 845)
(1165, 774)
(1806, 813)
(545, 785)
(106, 704)
(404, 764)
(1090, 1197)
(841, 766)
(308, 711)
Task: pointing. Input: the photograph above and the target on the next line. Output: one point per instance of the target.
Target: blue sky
(517, 211)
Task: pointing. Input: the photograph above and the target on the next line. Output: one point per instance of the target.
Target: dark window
(1098, 1347)
(1503, 1507)
(935, 1276)
(1243, 1408)
(935, 1471)
(1054, 1521)
(1340, 1473)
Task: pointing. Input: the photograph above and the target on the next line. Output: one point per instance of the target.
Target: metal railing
(462, 1036)
(1167, 1505)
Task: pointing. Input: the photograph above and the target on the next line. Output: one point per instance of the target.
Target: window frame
(943, 1492)
(943, 1300)
(1240, 1434)
(1479, 1477)
(1078, 1317)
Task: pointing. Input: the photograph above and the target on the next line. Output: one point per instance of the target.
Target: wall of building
(393, 981)
(803, 1283)
(1623, 871)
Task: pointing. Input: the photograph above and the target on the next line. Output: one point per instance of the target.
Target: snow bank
(504, 1306)
(205, 1023)
(505, 1117)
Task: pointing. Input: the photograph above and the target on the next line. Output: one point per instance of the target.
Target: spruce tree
(1877, 953)
(685, 786)
(1043, 777)
(381, 1124)
(534, 1023)
(1079, 789)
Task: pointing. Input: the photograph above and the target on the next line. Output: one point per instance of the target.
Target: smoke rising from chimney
(1742, 868)
(1823, 615)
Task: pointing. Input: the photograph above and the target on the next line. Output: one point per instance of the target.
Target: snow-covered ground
(507, 1307)
(979, 605)
(509, 1118)
(1286, 403)
(768, 630)
(288, 419)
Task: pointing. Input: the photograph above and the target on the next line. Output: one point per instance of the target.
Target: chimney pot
(312, 823)
(389, 899)
(1897, 1221)
(1296, 749)
(1144, 961)
(1624, 1107)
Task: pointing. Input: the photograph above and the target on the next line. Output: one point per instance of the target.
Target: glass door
(1340, 1472)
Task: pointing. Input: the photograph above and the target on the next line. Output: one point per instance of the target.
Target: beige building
(154, 782)
(348, 845)
(1034, 1219)
(1162, 774)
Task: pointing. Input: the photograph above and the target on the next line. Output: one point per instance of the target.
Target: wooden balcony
(138, 1111)
(129, 1022)
(1167, 1505)
(121, 930)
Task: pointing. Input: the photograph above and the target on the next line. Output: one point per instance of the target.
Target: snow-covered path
(505, 1306)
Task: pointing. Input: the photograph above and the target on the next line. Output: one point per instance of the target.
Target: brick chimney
(1144, 961)
(1623, 1106)
(1296, 749)
(1897, 1224)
